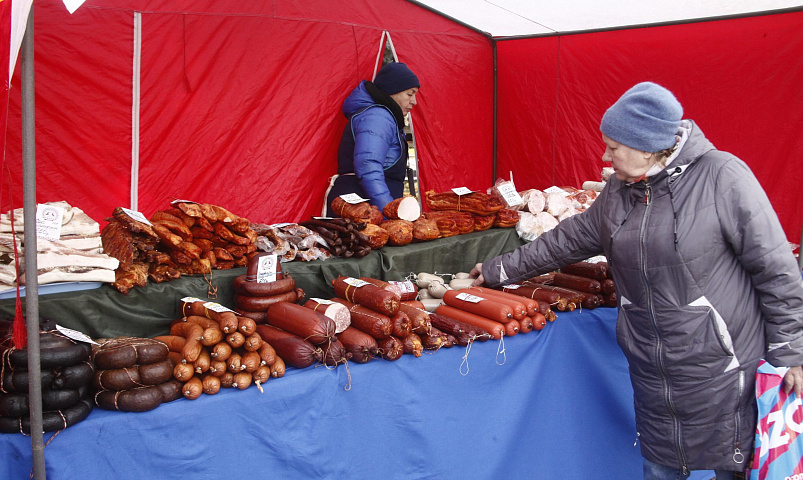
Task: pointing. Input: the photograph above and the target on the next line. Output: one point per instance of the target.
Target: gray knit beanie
(646, 118)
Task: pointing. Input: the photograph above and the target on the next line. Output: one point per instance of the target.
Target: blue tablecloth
(554, 404)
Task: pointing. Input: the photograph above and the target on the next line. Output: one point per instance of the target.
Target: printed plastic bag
(779, 446)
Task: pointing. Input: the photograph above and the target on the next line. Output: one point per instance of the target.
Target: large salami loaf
(476, 202)
(366, 294)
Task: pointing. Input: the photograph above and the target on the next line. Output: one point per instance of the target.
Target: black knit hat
(395, 78)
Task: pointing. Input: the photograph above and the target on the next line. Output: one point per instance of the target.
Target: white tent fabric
(504, 18)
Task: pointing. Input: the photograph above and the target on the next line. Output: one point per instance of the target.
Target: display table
(148, 311)
(556, 404)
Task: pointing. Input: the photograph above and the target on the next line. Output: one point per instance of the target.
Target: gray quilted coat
(707, 286)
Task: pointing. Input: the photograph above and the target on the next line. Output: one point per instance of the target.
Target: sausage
(518, 308)
(210, 384)
(512, 327)
(222, 315)
(290, 349)
(221, 351)
(526, 325)
(203, 362)
(597, 271)
(253, 342)
(139, 399)
(539, 321)
(359, 344)
(257, 304)
(433, 340)
(607, 286)
(250, 361)
(336, 311)
(383, 284)
(267, 354)
(211, 334)
(401, 325)
(257, 317)
(530, 305)
(408, 290)
(72, 376)
(171, 390)
(539, 293)
(192, 334)
(304, 322)
(373, 323)
(367, 295)
(334, 353)
(255, 289)
(495, 329)
(419, 318)
(414, 304)
(235, 339)
(457, 328)
(246, 326)
(193, 388)
(278, 367)
(411, 344)
(482, 306)
(51, 421)
(576, 282)
(390, 348)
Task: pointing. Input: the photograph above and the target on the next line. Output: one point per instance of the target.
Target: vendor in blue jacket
(706, 282)
(372, 157)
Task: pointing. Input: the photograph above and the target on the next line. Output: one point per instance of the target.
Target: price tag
(136, 216)
(216, 307)
(469, 298)
(191, 300)
(405, 286)
(353, 198)
(266, 268)
(509, 193)
(355, 282)
(48, 221)
(512, 286)
(322, 301)
(597, 259)
(182, 201)
(461, 191)
(280, 225)
(555, 189)
(75, 335)
(322, 218)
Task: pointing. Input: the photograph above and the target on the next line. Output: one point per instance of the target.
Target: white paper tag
(48, 221)
(461, 191)
(322, 218)
(322, 301)
(266, 268)
(469, 298)
(178, 200)
(509, 193)
(75, 335)
(405, 286)
(556, 189)
(597, 259)
(136, 216)
(512, 286)
(355, 282)
(353, 198)
(216, 307)
(191, 300)
(280, 225)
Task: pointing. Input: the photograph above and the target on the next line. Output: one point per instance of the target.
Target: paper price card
(266, 268)
(554, 189)
(405, 286)
(355, 282)
(512, 286)
(509, 193)
(461, 191)
(469, 298)
(322, 301)
(136, 216)
(216, 307)
(191, 300)
(353, 198)
(48, 222)
(75, 335)
(182, 201)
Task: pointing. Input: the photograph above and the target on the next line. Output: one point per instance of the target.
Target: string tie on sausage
(501, 350)
(465, 357)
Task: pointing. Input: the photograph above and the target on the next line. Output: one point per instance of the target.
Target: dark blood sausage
(139, 399)
(124, 352)
(16, 404)
(373, 323)
(576, 282)
(304, 322)
(171, 390)
(51, 421)
(367, 295)
(56, 350)
(608, 286)
(73, 376)
(597, 271)
(359, 344)
(254, 289)
(292, 349)
(17, 380)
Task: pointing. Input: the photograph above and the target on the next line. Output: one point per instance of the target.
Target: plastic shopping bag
(778, 446)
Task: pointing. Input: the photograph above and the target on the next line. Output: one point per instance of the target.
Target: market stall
(552, 404)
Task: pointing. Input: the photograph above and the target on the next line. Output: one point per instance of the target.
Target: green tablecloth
(147, 312)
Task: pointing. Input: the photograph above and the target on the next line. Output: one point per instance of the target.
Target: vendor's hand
(793, 380)
(476, 274)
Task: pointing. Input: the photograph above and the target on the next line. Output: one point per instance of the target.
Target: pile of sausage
(579, 285)
(66, 373)
(212, 347)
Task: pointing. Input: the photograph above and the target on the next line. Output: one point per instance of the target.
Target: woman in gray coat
(706, 280)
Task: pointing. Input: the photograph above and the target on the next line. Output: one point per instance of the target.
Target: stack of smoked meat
(212, 347)
(188, 238)
(473, 212)
(579, 285)
(254, 291)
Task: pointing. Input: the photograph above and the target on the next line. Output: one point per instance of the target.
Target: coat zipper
(659, 343)
(738, 456)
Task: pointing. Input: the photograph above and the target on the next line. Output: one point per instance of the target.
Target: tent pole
(31, 287)
(493, 178)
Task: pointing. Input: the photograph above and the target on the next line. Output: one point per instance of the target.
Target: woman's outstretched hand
(476, 274)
